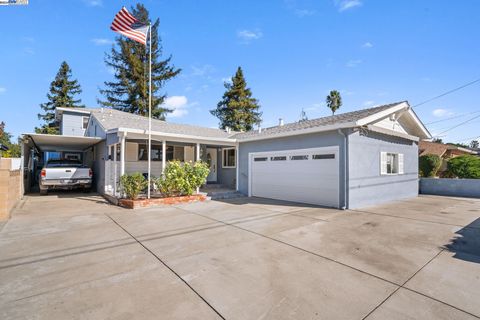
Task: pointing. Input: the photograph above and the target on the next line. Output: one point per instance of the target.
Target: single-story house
(444, 151)
(348, 160)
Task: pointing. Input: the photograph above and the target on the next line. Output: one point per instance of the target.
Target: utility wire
(458, 125)
(468, 139)
(446, 93)
(454, 117)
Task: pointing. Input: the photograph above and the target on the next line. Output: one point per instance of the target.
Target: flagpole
(150, 110)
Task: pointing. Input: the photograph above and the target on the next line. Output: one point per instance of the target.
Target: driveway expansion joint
(168, 267)
(341, 263)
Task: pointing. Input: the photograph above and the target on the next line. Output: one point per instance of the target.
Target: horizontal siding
(72, 124)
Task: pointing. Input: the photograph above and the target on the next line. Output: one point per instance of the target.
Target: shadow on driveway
(265, 201)
(466, 243)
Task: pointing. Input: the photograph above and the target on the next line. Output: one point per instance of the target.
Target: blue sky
(292, 52)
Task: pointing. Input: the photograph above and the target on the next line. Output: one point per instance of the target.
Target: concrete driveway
(76, 257)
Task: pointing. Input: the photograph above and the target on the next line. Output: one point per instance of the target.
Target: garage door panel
(313, 181)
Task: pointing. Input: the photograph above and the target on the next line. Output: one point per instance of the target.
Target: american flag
(126, 24)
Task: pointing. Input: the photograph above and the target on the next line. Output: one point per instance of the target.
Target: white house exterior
(348, 160)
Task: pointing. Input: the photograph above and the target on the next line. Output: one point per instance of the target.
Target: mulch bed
(145, 203)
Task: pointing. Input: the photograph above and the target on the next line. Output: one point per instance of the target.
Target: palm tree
(334, 101)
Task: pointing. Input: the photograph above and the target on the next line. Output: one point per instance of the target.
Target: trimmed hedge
(182, 178)
(429, 164)
(133, 184)
(464, 167)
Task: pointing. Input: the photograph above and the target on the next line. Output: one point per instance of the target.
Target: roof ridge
(388, 105)
(133, 115)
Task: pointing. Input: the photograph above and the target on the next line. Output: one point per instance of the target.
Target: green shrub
(133, 184)
(464, 167)
(182, 179)
(429, 165)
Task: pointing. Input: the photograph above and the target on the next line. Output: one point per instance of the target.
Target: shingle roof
(439, 149)
(426, 147)
(319, 122)
(112, 119)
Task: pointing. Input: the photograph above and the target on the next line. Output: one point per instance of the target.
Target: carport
(38, 148)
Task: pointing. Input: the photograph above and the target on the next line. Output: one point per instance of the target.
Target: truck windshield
(64, 164)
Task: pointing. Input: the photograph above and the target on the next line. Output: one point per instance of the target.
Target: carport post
(164, 155)
(122, 156)
(198, 159)
(115, 169)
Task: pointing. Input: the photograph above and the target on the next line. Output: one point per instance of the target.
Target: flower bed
(145, 203)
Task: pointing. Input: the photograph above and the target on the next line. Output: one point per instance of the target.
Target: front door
(212, 162)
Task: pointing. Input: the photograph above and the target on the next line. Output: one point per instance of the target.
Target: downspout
(345, 140)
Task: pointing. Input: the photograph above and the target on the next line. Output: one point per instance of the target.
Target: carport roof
(50, 142)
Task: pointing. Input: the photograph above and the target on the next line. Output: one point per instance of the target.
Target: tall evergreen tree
(237, 109)
(334, 101)
(62, 94)
(5, 140)
(129, 60)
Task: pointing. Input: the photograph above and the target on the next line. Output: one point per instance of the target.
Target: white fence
(112, 177)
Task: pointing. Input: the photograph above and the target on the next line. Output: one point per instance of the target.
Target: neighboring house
(444, 151)
(347, 160)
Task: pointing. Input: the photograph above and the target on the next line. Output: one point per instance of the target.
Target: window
(260, 159)
(229, 158)
(281, 158)
(85, 122)
(391, 163)
(323, 156)
(156, 152)
(72, 156)
(299, 157)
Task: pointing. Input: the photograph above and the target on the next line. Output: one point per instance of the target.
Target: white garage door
(304, 175)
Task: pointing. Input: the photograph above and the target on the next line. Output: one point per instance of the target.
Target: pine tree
(5, 140)
(129, 90)
(62, 94)
(237, 110)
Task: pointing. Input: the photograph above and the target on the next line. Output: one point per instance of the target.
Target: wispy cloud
(227, 80)
(179, 105)
(28, 51)
(368, 103)
(304, 12)
(344, 5)
(202, 71)
(102, 41)
(93, 3)
(249, 35)
(3, 90)
(28, 39)
(367, 45)
(299, 10)
(353, 63)
(441, 112)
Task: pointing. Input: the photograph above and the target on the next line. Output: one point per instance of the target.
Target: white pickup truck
(65, 174)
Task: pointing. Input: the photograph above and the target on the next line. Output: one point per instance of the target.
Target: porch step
(223, 194)
(215, 185)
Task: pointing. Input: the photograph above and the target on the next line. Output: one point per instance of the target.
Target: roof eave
(227, 141)
(300, 132)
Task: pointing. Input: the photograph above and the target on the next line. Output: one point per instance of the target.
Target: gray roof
(112, 119)
(319, 122)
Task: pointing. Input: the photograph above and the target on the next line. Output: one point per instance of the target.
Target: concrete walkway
(72, 256)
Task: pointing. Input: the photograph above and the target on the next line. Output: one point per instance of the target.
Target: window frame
(398, 163)
(85, 125)
(224, 152)
(157, 147)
